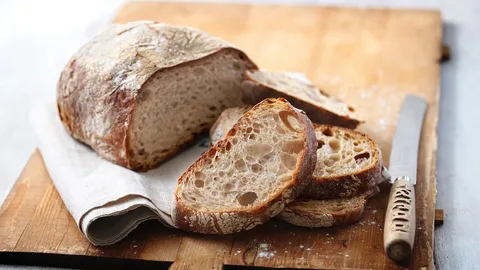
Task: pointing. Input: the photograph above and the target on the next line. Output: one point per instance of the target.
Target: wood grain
(371, 58)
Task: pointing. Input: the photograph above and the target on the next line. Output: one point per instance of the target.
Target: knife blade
(400, 227)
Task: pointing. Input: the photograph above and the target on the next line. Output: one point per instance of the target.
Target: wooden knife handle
(399, 229)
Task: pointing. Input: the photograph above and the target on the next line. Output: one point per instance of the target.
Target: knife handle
(399, 229)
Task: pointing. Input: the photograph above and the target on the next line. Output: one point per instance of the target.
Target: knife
(399, 228)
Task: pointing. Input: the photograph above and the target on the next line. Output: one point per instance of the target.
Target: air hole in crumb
(228, 187)
(334, 144)
(249, 129)
(240, 165)
(320, 143)
(234, 141)
(228, 146)
(275, 117)
(355, 143)
(258, 149)
(293, 147)
(250, 159)
(288, 161)
(251, 136)
(351, 109)
(327, 132)
(330, 171)
(358, 149)
(335, 157)
(360, 157)
(221, 174)
(328, 162)
(199, 183)
(256, 168)
(280, 130)
(232, 132)
(290, 121)
(199, 175)
(247, 198)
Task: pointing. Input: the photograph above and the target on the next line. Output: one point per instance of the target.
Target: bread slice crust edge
(231, 221)
(347, 185)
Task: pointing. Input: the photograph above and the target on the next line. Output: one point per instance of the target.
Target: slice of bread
(349, 163)
(349, 166)
(225, 122)
(263, 163)
(324, 213)
(319, 106)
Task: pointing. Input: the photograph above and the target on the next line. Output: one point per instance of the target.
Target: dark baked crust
(233, 221)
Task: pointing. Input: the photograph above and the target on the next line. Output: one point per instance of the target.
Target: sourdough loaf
(137, 92)
(318, 105)
(263, 163)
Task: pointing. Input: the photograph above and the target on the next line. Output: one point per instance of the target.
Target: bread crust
(347, 185)
(316, 114)
(234, 221)
(299, 216)
(98, 88)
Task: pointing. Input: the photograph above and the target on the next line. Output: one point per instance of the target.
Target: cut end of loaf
(251, 174)
(176, 104)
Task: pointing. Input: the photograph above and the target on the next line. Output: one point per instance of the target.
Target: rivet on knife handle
(399, 229)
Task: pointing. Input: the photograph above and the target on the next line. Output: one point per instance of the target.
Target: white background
(38, 37)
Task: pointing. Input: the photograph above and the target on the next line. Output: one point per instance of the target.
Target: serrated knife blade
(400, 218)
(406, 140)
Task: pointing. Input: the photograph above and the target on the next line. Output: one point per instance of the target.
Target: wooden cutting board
(371, 58)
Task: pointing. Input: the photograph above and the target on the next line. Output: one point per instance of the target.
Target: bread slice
(138, 92)
(263, 163)
(324, 213)
(319, 106)
(225, 122)
(349, 163)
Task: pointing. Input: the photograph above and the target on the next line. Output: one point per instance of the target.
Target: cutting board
(370, 58)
